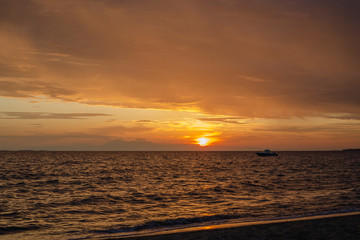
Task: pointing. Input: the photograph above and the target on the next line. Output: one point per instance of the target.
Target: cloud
(241, 58)
(120, 129)
(345, 116)
(47, 115)
(38, 141)
(341, 128)
(234, 120)
(17, 71)
(85, 142)
(136, 145)
(145, 121)
(28, 89)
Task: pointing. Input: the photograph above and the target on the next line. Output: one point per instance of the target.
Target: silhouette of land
(352, 149)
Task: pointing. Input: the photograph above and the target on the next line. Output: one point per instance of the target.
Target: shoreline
(334, 226)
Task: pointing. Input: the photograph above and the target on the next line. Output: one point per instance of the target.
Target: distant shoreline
(352, 150)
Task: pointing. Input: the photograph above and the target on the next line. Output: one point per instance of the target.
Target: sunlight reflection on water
(104, 192)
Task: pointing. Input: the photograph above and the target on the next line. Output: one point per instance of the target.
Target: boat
(266, 153)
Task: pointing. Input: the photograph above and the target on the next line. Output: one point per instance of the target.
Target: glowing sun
(203, 141)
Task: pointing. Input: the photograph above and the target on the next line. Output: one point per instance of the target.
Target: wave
(86, 200)
(14, 229)
(155, 224)
(78, 202)
(187, 222)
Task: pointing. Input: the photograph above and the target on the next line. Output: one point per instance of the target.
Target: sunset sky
(162, 74)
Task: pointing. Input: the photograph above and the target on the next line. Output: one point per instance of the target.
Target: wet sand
(336, 226)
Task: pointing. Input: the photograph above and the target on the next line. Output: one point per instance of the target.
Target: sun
(203, 142)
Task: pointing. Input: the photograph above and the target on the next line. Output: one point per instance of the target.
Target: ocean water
(85, 195)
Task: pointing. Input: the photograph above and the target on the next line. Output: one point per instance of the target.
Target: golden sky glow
(203, 142)
(157, 75)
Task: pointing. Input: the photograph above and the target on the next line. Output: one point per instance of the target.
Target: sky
(174, 75)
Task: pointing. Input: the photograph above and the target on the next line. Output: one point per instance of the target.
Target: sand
(336, 226)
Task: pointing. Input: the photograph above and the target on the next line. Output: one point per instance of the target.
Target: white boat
(266, 153)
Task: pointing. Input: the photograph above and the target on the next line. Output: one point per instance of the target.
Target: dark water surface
(71, 195)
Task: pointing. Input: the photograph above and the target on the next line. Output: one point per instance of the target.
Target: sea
(91, 195)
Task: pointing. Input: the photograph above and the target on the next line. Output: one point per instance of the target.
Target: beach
(337, 226)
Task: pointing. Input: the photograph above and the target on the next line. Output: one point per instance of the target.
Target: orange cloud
(45, 115)
(253, 71)
(238, 58)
